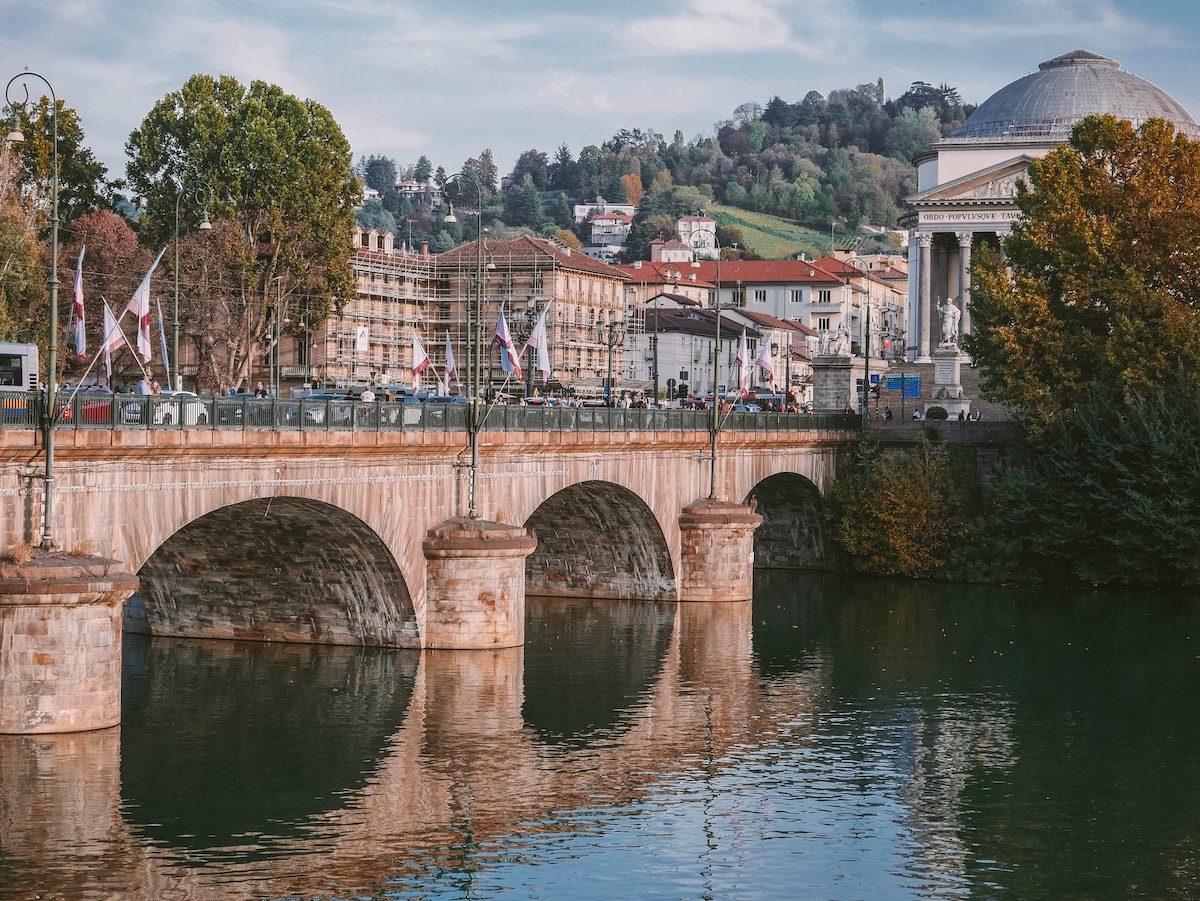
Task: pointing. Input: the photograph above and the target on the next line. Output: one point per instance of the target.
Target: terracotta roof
(693, 322)
(767, 272)
(657, 272)
(766, 320)
(527, 251)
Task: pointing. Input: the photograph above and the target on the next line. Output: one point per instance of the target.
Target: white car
(171, 407)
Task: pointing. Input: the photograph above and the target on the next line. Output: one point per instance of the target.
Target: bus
(18, 374)
(18, 367)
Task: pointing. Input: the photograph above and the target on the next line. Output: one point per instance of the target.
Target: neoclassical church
(966, 184)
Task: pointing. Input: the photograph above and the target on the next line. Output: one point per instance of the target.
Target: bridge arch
(279, 569)
(792, 534)
(597, 539)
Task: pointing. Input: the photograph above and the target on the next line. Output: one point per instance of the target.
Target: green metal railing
(22, 410)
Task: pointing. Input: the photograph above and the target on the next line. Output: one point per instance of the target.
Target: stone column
(964, 282)
(924, 303)
(475, 584)
(716, 559)
(60, 643)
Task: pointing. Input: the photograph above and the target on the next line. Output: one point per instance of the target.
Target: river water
(839, 739)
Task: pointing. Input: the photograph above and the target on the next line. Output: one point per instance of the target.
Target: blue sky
(448, 79)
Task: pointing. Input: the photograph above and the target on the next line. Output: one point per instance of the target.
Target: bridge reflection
(415, 751)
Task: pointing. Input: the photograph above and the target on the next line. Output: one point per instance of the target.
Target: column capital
(925, 239)
(964, 238)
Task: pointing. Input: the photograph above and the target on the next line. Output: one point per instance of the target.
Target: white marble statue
(950, 314)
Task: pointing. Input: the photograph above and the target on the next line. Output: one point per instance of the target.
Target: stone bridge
(359, 537)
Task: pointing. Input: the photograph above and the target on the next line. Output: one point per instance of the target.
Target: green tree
(82, 185)
(373, 215)
(1098, 288)
(1111, 495)
(523, 204)
(897, 513)
(22, 277)
(423, 170)
(280, 169)
(379, 172)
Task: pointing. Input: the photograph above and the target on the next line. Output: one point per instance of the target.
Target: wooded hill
(820, 165)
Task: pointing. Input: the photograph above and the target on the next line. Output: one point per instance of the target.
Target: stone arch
(278, 569)
(598, 540)
(792, 534)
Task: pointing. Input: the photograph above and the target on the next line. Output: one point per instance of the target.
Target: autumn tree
(1097, 291)
(22, 276)
(113, 266)
(280, 170)
(897, 513)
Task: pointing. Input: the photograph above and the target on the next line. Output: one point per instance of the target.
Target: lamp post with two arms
(201, 193)
(50, 412)
(474, 319)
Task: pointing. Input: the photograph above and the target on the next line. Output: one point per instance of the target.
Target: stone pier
(60, 643)
(716, 560)
(475, 584)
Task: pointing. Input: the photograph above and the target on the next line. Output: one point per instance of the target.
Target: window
(797, 295)
(824, 296)
(739, 296)
(537, 283)
(760, 295)
(822, 323)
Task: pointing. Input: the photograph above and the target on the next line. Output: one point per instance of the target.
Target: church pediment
(995, 184)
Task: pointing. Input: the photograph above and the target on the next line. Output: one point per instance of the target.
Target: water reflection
(840, 738)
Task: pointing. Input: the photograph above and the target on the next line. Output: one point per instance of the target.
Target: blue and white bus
(18, 367)
(18, 375)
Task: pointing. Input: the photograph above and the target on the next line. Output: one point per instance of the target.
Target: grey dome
(1048, 103)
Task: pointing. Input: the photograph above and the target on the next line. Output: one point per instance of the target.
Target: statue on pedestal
(950, 314)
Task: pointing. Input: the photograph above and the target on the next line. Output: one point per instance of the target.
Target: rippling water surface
(837, 739)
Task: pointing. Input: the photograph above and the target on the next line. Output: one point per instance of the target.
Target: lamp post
(612, 334)
(195, 190)
(49, 414)
(855, 263)
(474, 318)
(715, 426)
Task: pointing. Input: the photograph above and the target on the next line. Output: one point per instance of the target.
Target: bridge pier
(475, 584)
(60, 643)
(716, 560)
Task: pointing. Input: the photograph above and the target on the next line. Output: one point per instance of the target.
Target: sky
(450, 78)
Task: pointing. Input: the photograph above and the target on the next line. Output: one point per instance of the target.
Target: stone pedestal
(716, 560)
(475, 584)
(60, 643)
(947, 391)
(833, 384)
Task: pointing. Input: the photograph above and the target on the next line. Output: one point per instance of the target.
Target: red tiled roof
(657, 272)
(767, 272)
(527, 251)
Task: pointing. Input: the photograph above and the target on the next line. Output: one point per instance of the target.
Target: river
(839, 738)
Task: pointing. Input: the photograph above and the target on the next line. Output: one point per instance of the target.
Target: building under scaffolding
(371, 341)
(582, 300)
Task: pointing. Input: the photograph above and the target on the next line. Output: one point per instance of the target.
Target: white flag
(510, 360)
(80, 331)
(450, 369)
(539, 341)
(743, 368)
(113, 339)
(764, 362)
(139, 306)
(420, 361)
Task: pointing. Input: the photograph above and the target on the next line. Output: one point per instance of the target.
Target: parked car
(171, 407)
(447, 399)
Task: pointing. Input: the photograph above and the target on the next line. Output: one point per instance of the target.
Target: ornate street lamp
(474, 367)
(199, 191)
(49, 411)
(715, 426)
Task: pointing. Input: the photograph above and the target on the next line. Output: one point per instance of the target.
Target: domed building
(966, 184)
